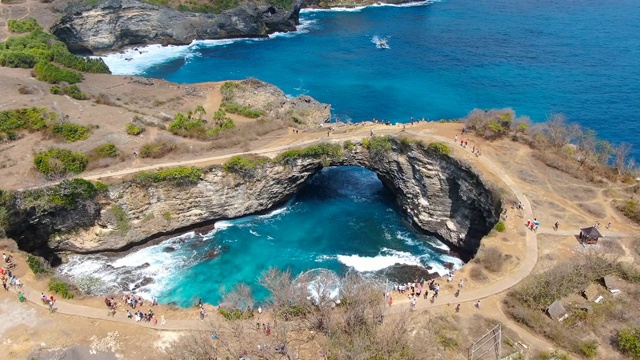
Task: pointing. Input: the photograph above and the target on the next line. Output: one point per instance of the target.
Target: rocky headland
(114, 24)
(442, 196)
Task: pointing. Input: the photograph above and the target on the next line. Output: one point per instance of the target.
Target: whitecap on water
(386, 258)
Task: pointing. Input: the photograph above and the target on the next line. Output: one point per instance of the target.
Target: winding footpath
(523, 270)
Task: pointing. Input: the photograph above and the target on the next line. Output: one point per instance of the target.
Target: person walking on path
(413, 304)
(478, 304)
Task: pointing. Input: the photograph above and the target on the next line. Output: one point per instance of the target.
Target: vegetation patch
(134, 129)
(243, 110)
(178, 175)
(53, 74)
(37, 265)
(439, 148)
(244, 164)
(108, 150)
(189, 126)
(121, 218)
(198, 6)
(71, 91)
(29, 119)
(630, 209)
(320, 151)
(71, 132)
(348, 145)
(40, 46)
(62, 288)
(22, 26)
(68, 194)
(156, 149)
(628, 341)
(500, 226)
(235, 314)
(56, 162)
(228, 90)
(378, 145)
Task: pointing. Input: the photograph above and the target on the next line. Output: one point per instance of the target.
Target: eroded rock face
(442, 195)
(113, 24)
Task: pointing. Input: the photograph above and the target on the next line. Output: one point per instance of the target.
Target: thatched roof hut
(590, 235)
(557, 311)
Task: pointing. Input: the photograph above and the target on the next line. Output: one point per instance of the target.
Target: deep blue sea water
(576, 57)
(342, 218)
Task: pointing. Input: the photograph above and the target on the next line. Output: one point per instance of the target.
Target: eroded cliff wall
(440, 194)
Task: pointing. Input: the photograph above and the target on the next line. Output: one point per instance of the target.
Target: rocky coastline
(443, 197)
(114, 24)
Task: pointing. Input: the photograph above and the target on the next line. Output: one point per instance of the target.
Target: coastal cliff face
(113, 24)
(440, 194)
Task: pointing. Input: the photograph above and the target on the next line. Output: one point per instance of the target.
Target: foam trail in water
(360, 8)
(386, 258)
(134, 61)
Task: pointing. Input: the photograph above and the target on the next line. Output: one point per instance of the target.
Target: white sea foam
(254, 233)
(386, 257)
(320, 283)
(360, 8)
(134, 61)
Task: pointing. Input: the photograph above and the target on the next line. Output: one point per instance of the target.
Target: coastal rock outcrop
(442, 196)
(113, 24)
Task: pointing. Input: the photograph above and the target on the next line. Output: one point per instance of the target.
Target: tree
(200, 111)
(587, 144)
(559, 132)
(620, 157)
(521, 124)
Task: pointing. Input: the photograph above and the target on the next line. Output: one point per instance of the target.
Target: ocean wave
(360, 8)
(320, 283)
(386, 258)
(135, 61)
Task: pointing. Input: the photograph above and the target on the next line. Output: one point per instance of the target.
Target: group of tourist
(6, 272)
(463, 143)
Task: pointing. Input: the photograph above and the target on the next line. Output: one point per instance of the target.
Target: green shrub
(228, 89)
(101, 187)
(282, 4)
(61, 288)
(628, 342)
(18, 59)
(348, 145)
(439, 148)
(156, 149)
(243, 164)
(631, 209)
(71, 91)
(30, 119)
(500, 226)
(122, 220)
(242, 110)
(133, 129)
(22, 26)
(36, 265)
(379, 145)
(26, 51)
(235, 314)
(176, 175)
(53, 74)
(106, 150)
(71, 132)
(324, 150)
(58, 161)
(588, 348)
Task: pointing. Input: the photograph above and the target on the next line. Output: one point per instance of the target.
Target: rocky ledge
(114, 24)
(442, 195)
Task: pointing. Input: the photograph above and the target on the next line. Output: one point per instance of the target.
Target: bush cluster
(48, 72)
(235, 314)
(22, 26)
(40, 46)
(176, 175)
(71, 91)
(68, 194)
(228, 90)
(108, 150)
(628, 342)
(122, 220)
(58, 162)
(36, 265)
(188, 126)
(242, 110)
(156, 149)
(133, 129)
(500, 226)
(324, 150)
(71, 132)
(244, 164)
(631, 209)
(61, 288)
(439, 148)
(378, 145)
(30, 119)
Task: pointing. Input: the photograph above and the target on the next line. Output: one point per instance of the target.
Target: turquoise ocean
(576, 57)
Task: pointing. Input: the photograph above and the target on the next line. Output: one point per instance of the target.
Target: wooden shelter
(557, 311)
(592, 293)
(590, 235)
(611, 283)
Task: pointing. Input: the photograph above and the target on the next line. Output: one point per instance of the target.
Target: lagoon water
(577, 57)
(342, 218)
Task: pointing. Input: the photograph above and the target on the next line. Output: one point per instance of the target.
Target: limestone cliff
(113, 24)
(442, 195)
